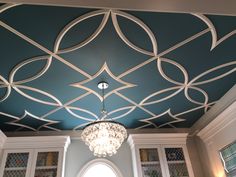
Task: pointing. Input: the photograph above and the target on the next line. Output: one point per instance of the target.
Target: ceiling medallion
(103, 136)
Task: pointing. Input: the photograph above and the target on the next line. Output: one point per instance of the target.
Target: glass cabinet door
(176, 162)
(46, 164)
(16, 164)
(150, 162)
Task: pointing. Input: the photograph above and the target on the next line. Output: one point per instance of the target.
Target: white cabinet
(160, 155)
(34, 157)
(16, 163)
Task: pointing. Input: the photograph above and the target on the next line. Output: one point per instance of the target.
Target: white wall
(215, 136)
(78, 155)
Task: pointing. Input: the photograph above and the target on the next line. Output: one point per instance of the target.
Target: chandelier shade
(104, 137)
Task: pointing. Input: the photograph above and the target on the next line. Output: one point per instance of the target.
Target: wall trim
(228, 99)
(2, 139)
(219, 123)
(77, 134)
(218, 7)
(37, 142)
(158, 138)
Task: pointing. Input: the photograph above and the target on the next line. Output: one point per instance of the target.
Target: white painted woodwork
(2, 142)
(34, 145)
(184, 6)
(216, 135)
(160, 142)
(2, 139)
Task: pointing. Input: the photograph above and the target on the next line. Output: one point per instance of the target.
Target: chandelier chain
(104, 137)
(103, 101)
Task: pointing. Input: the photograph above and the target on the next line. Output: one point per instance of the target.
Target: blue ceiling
(164, 69)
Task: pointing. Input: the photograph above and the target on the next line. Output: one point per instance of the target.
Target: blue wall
(78, 155)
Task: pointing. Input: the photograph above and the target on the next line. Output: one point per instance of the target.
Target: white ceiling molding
(219, 123)
(184, 6)
(2, 139)
(40, 141)
(227, 100)
(157, 138)
(76, 134)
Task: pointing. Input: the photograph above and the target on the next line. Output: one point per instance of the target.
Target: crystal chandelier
(103, 136)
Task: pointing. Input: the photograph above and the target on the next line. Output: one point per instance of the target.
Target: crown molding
(2, 139)
(217, 7)
(227, 100)
(74, 135)
(37, 142)
(157, 138)
(219, 123)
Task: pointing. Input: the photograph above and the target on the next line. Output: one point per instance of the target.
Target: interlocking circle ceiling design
(148, 108)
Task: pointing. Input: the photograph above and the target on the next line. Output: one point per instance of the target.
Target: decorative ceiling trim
(219, 7)
(103, 69)
(175, 119)
(7, 6)
(115, 13)
(184, 85)
(16, 121)
(215, 40)
(76, 21)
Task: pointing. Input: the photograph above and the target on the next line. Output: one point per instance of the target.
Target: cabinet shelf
(150, 163)
(176, 162)
(46, 167)
(15, 168)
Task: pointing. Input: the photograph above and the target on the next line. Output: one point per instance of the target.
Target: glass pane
(148, 155)
(16, 164)
(46, 165)
(14, 173)
(178, 170)
(46, 173)
(232, 174)
(228, 156)
(174, 154)
(150, 162)
(47, 159)
(229, 150)
(176, 162)
(151, 170)
(17, 160)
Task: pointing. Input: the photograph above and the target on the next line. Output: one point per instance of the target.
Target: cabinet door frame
(8, 151)
(59, 163)
(186, 157)
(139, 165)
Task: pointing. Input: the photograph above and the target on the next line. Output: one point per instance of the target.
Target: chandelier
(103, 136)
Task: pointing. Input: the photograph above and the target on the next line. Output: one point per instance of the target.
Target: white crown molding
(157, 138)
(37, 142)
(183, 6)
(219, 123)
(2, 139)
(76, 134)
(228, 99)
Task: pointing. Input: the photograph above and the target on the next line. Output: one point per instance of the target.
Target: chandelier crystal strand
(104, 137)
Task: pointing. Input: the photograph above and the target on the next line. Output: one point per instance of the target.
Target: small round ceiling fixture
(103, 85)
